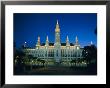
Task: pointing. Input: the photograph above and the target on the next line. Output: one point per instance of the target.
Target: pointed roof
(38, 41)
(47, 39)
(52, 44)
(91, 42)
(57, 21)
(57, 29)
(38, 38)
(76, 40)
(67, 38)
(67, 41)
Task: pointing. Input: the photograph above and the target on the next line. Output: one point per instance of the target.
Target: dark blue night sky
(28, 26)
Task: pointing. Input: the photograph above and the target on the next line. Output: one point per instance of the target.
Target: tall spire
(38, 41)
(67, 41)
(57, 21)
(91, 43)
(47, 41)
(57, 29)
(67, 38)
(76, 40)
(24, 45)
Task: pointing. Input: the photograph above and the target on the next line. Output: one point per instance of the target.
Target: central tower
(57, 45)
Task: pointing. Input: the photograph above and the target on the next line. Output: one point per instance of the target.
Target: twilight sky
(28, 26)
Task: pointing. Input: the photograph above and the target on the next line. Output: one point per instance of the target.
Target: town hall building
(56, 51)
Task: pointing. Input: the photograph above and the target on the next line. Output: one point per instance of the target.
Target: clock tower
(57, 44)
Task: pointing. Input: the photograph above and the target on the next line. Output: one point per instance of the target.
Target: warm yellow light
(57, 30)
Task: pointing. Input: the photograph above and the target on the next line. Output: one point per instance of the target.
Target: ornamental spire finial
(76, 40)
(57, 29)
(57, 21)
(47, 39)
(67, 41)
(67, 38)
(91, 42)
(38, 41)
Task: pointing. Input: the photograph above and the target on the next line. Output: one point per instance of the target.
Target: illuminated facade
(56, 51)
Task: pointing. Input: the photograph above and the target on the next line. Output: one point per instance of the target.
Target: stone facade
(56, 51)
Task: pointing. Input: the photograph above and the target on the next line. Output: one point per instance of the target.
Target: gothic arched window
(57, 53)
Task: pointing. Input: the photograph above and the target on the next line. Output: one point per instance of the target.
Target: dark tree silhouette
(73, 61)
(18, 59)
(42, 61)
(90, 53)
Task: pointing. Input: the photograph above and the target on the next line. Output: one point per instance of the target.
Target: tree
(42, 61)
(90, 53)
(73, 61)
(30, 57)
(18, 55)
(38, 61)
(19, 59)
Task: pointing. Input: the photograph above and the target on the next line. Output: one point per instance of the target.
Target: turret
(57, 44)
(38, 42)
(76, 40)
(47, 41)
(76, 43)
(67, 41)
(91, 43)
(57, 29)
(57, 33)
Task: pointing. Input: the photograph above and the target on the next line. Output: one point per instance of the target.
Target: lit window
(77, 48)
(67, 47)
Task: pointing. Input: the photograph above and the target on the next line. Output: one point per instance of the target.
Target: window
(77, 48)
(57, 53)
